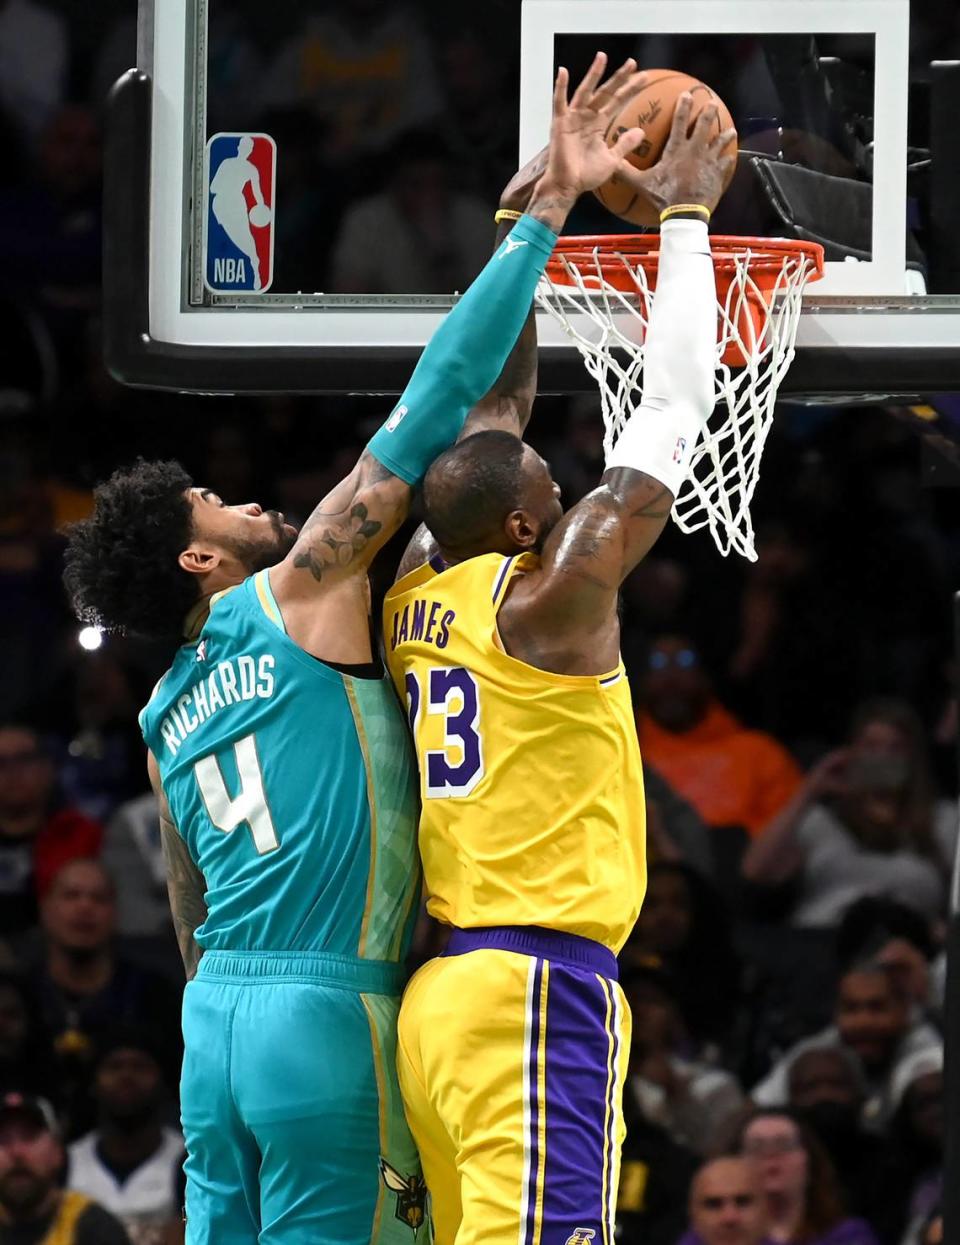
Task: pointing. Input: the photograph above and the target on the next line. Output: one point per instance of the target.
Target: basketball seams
(658, 97)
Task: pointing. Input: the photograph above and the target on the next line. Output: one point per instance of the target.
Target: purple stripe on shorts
(533, 1136)
(578, 1134)
(545, 944)
(504, 571)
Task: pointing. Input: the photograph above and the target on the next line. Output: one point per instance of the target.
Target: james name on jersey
(228, 683)
(416, 622)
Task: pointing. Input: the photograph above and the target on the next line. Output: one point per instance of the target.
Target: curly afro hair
(121, 569)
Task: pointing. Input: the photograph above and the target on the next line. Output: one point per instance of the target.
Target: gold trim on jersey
(266, 598)
(372, 802)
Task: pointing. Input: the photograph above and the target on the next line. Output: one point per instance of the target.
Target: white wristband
(678, 374)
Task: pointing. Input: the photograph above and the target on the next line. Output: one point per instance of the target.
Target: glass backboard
(380, 135)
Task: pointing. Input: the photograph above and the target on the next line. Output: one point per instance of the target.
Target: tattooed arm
(327, 566)
(185, 884)
(563, 617)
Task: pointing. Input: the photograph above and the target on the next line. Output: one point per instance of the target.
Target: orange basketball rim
(751, 273)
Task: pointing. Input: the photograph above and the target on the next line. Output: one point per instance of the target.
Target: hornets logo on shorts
(411, 1194)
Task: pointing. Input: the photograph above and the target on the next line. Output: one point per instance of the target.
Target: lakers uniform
(294, 789)
(513, 1045)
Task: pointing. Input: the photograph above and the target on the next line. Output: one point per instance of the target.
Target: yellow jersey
(531, 782)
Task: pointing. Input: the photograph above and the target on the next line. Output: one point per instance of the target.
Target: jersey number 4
(250, 806)
(453, 692)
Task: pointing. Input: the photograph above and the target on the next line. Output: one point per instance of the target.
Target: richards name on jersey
(228, 683)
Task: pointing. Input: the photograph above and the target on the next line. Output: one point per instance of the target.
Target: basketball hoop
(600, 290)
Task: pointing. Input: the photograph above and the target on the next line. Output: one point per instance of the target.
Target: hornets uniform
(513, 1045)
(294, 789)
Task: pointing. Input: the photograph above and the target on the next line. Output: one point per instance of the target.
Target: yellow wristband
(506, 214)
(676, 208)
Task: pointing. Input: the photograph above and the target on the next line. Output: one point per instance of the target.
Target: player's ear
(199, 559)
(521, 530)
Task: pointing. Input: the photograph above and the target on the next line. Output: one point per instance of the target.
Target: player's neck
(195, 620)
(197, 617)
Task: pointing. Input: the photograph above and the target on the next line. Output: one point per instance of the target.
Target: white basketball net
(608, 327)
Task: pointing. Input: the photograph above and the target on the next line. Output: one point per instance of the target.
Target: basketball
(653, 109)
(260, 215)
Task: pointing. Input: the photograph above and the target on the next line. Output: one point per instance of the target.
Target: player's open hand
(578, 157)
(696, 165)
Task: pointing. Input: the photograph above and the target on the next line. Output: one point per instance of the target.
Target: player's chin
(286, 539)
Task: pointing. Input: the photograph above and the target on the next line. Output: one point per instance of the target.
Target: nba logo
(239, 220)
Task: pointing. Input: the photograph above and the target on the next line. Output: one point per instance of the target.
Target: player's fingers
(681, 119)
(628, 90)
(723, 140)
(614, 83)
(706, 121)
(560, 92)
(628, 141)
(585, 90)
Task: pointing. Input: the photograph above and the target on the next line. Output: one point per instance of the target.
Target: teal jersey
(293, 786)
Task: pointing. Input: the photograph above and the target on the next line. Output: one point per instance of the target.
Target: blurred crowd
(796, 715)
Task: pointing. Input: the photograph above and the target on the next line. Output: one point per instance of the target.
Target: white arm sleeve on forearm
(678, 371)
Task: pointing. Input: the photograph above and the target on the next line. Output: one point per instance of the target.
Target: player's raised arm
(596, 545)
(467, 352)
(508, 404)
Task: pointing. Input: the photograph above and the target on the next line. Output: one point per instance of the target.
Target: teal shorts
(291, 1110)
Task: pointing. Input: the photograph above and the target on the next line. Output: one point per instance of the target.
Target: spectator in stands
(33, 1208)
(675, 831)
(803, 1201)
(26, 1060)
(691, 1100)
(33, 619)
(101, 759)
(917, 1137)
(50, 231)
(85, 989)
(655, 1175)
(33, 62)
(872, 1021)
(365, 69)
(727, 1205)
(419, 236)
(37, 838)
(932, 1233)
(731, 775)
(898, 938)
(476, 123)
(129, 1162)
(792, 637)
(863, 822)
(827, 1092)
(132, 851)
(684, 924)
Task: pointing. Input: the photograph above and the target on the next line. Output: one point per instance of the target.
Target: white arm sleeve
(678, 372)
